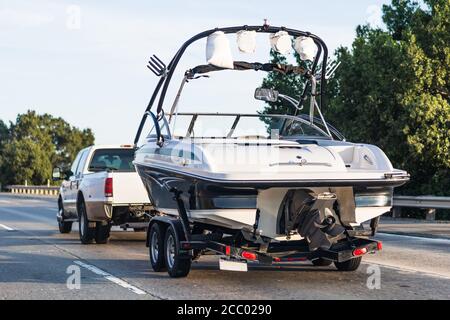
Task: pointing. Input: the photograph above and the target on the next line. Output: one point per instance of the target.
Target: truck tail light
(359, 252)
(108, 187)
(379, 245)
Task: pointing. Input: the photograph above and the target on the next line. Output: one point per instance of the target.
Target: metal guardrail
(425, 202)
(431, 203)
(33, 190)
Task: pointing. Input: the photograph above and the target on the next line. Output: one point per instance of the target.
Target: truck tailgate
(128, 189)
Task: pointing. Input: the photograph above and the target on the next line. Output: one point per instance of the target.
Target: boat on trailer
(267, 188)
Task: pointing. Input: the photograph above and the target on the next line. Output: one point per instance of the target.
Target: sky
(85, 61)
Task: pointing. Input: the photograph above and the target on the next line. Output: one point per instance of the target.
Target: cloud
(24, 19)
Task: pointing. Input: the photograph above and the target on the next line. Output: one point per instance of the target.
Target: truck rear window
(120, 160)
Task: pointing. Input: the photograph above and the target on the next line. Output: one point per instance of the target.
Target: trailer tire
(64, 226)
(102, 231)
(87, 233)
(321, 262)
(156, 248)
(349, 265)
(178, 265)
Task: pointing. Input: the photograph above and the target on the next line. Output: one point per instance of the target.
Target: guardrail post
(430, 215)
(396, 212)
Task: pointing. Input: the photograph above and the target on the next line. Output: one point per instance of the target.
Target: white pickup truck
(102, 189)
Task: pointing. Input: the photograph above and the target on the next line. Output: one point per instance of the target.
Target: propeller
(329, 227)
(318, 231)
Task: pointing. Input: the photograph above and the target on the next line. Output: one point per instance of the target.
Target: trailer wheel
(177, 265)
(156, 248)
(349, 265)
(87, 233)
(102, 231)
(64, 227)
(321, 262)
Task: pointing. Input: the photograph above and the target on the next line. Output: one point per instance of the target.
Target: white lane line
(110, 277)
(6, 227)
(421, 239)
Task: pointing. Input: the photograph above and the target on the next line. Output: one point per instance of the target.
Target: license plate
(230, 265)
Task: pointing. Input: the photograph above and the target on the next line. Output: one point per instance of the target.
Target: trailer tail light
(108, 187)
(228, 250)
(296, 259)
(359, 251)
(249, 255)
(379, 245)
(276, 259)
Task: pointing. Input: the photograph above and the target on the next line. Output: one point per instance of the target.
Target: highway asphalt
(37, 262)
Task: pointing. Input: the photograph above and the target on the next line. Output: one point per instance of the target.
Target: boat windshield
(242, 126)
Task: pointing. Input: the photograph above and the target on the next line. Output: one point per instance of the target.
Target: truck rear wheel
(156, 248)
(102, 230)
(178, 265)
(349, 265)
(87, 233)
(65, 227)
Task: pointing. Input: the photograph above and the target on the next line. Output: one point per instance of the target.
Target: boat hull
(233, 204)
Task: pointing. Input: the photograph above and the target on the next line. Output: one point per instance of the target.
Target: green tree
(392, 90)
(370, 82)
(37, 143)
(26, 160)
(289, 85)
(4, 133)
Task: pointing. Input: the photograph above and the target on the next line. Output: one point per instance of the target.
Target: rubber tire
(349, 265)
(88, 234)
(321, 262)
(159, 264)
(181, 265)
(102, 232)
(64, 227)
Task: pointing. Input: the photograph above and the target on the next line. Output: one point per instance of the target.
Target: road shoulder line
(111, 278)
(415, 237)
(6, 227)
